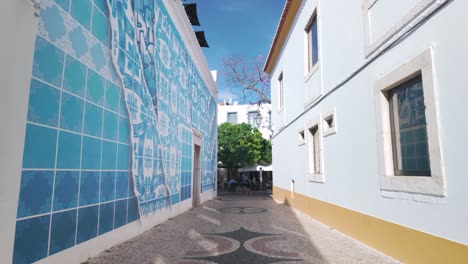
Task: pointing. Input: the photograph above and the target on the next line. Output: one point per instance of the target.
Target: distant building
(369, 109)
(257, 116)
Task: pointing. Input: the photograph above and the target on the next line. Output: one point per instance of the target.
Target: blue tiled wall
(90, 121)
(77, 157)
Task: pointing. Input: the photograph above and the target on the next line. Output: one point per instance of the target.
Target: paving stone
(253, 229)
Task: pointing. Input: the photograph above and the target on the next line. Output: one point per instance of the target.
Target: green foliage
(241, 144)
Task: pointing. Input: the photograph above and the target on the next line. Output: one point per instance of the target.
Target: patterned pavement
(241, 229)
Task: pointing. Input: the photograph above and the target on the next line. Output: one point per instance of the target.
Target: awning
(201, 39)
(256, 168)
(191, 10)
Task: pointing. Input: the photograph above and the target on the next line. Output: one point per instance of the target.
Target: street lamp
(258, 119)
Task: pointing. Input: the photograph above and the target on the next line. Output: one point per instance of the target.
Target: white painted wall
(16, 55)
(242, 111)
(350, 157)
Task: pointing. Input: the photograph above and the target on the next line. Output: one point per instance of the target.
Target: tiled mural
(109, 127)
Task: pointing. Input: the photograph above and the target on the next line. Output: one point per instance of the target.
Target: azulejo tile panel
(63, 231)
(110, 121)
(29, 248)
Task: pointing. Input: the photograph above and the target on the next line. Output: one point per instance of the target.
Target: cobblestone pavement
(241, 229)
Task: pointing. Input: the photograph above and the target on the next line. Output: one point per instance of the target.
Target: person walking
(245, 186)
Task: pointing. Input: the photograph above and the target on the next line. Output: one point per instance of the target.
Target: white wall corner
(17, 21)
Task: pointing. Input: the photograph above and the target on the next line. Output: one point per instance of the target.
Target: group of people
(244, 184)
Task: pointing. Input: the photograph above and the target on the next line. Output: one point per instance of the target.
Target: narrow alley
(241, 229)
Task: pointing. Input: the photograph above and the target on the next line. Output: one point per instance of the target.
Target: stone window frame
(434, 185)
(372, 46)
(327, 130)
(314, 177)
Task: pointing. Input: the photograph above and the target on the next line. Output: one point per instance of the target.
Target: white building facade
(367, 105)
(246, 113)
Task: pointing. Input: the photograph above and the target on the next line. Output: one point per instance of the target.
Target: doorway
(196, 176)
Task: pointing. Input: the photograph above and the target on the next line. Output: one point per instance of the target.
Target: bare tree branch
(247, 78)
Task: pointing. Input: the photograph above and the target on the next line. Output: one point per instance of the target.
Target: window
(314, 149)
(410, 160)
(232, 117)
(301, 137)
(329, 123)
(280, 92)
(384, 19)
(251, 118)
(312, 43)
(409, 130)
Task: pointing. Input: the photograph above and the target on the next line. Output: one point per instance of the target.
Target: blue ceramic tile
(64, 4)
(43, 103)
(74, 79)
(175, 198)
(48, 62)
(98, 56)
(93, 120)
(120, 213)
(95, 87)
(89, 187)
(69, 151)
(35, 193)
(131, 186)
(123, 160)
(106, 217)
(66, 190)
(87, 223)
(101, 28)
(81, 11)
(91, 155)
(112, 97)
(39, 148)
(71, 113)
(123, 106)
(107, 186)
(121, 184)
(31, 239)
(102, 5)
(79, 47)
(110, 125)
(63, 231)
(53, 23)
(124, 130)
(132, 210)
(109, 155)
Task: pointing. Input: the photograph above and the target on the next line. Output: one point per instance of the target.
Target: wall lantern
(258, 119)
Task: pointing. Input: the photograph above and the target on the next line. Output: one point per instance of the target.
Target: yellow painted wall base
(402, 243)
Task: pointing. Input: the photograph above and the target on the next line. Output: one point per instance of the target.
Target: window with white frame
(312, 43)
(251, 115)
(410, 157)
(301, 136)
(280, 92)
(313, 134)
(329, 123)
(232, 117)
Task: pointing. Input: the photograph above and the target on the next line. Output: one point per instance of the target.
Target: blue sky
(241, 27)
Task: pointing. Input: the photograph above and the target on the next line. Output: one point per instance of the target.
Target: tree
(240, 145)
(247, 78)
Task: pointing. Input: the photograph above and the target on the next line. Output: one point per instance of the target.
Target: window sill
(317, 178)
(312, 72)
(433, 186)
(311, 100)
(329, 132)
